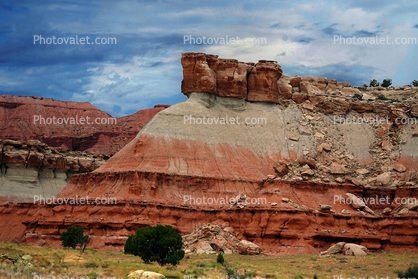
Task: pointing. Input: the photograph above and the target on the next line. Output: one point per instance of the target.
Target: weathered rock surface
(34, 168)
(349, 249)
(212, 238)
(18, 115)
(230, 78)
(159, 177)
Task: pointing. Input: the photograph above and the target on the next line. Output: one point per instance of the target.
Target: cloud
(354, 19)
(304, 40)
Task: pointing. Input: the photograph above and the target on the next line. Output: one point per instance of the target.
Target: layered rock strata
(33, 168)
(295, 163)
(32, 118)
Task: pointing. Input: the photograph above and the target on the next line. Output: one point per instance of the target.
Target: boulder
(313, 85)
(248, 248)
(352, 249)
(281, 168)
(142, 274)
(334, 249)
(399, 167)
(338, 168)
(299, 97)
(384, 179)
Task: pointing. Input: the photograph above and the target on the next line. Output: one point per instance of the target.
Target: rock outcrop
(33, 168)
(207, 73)
(20, 119)
(349, 249)
(212, 238)
(191, 158)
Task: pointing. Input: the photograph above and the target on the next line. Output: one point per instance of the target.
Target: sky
(133, 59)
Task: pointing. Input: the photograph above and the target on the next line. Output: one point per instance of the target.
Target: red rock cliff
(294, 160)
(17, 123)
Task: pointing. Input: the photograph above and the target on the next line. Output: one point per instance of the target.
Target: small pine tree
(74, 237)
(387, 82)
(315, 277)
(220, 259)
(415, 83)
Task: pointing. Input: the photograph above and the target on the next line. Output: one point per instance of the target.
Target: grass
(62, 262)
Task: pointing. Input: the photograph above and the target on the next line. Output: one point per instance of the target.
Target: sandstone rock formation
(34, 168)
(212, 238)
(18, 115)
(182, 173)
(230, 78)
(349, 249)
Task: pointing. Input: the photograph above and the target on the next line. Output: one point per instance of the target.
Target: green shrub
(387, 82)
(220, 259)
(92, 275)
(315, 277)
(415, 83)
(74, 237)
(374, 83)
(160, 243)
(411, 272)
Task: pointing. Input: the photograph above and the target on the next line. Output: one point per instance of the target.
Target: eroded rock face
(262, 82)
(197, 75)
(19, 114)
(230, 78)
(213, 238)
(34, 168)
(170, 160)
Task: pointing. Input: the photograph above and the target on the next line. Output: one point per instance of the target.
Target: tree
(160, 243)
(386, 82)
(74, 237)
(415, 83)
(220, 259)
(374, 83)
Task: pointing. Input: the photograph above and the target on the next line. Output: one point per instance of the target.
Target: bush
(160, 243)
(374, 83)
(387, 82)
(74, 237)
(411, 272)
(220, 259)
(415, 83)
(315, 277)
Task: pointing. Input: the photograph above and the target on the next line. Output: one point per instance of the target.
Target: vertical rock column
(198, 73)
(262, 82)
